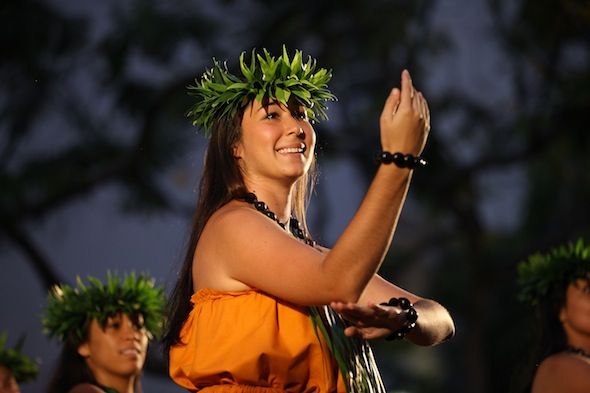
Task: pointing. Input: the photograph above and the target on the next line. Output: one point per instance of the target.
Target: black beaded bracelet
(401, 160)
(410, 313)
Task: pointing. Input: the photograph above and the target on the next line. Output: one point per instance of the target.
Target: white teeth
(288, 150)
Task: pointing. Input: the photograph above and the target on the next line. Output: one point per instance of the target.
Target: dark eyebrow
(271, 103)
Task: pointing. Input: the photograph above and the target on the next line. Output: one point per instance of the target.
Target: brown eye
(300, 115)
(113, 322)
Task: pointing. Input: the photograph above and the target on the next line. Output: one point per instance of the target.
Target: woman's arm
(360, 250)
(370, 320)
(239, 246)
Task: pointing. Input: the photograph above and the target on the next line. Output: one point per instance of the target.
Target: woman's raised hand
(405, 120)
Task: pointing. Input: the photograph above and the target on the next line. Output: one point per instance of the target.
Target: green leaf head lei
(264, 78)
(21, 366)
(70, 310)
(542, 274)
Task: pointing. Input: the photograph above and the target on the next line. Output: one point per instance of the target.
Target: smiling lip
(130, 352)
(293, 149)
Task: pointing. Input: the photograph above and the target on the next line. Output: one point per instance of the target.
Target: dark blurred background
(98, 165)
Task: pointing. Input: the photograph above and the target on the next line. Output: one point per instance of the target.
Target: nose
(297, 130)
(292, 125)
(133, 335)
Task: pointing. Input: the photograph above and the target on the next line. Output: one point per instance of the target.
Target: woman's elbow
(450, 331)
(446, 327)
(344, 295)
(438, 326)
(343, 288)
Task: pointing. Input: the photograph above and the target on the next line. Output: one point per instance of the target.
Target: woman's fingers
(366, 333)
(355, 314)
(369, 316)
(379, 311)
(352, 331)
(391, 104)
(417, 104)
(340, 306)
(371, 320)
(416, 99)
(426, 111)
(406, 93)
(421, 106)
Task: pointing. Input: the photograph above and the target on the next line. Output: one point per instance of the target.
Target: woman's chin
(295, 174)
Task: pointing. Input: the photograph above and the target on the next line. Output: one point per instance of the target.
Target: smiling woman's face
(116, 351)
(277, 142)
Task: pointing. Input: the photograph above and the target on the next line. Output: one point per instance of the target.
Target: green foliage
(353, 355)
(542, 274)
(220, 93)
(22, 367)
(71, 309)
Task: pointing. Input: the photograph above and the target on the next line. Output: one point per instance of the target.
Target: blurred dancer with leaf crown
(557, 285)
(104, 329)
(259, 305)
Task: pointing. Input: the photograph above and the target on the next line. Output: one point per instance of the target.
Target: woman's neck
(276, 196)
(577, 340)
(120, 384)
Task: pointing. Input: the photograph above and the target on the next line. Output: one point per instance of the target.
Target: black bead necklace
(294, 226)
(578, 351)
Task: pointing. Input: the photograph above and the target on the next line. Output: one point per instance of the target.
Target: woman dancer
(247, 313)
(557, 284)
(105, 330)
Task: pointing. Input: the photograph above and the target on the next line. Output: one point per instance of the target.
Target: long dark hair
(72, 370)
(550, 336)
(221, 182)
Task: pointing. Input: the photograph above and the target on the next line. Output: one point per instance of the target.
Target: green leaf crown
(21, 366)
(542, 274)
(71, 309)
(219, 93)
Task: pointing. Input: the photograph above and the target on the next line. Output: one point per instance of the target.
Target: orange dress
(251, 342)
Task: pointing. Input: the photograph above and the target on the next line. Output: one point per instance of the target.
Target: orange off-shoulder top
(251, 342)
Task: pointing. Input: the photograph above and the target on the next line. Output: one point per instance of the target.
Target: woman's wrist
(410, 314)
(400, 160)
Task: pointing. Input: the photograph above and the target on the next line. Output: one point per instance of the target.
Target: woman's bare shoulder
(219, 229)
(85, 388)
(241, 248)
(238, 220)
(563, 372)
(224, 221)
(230, 213)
